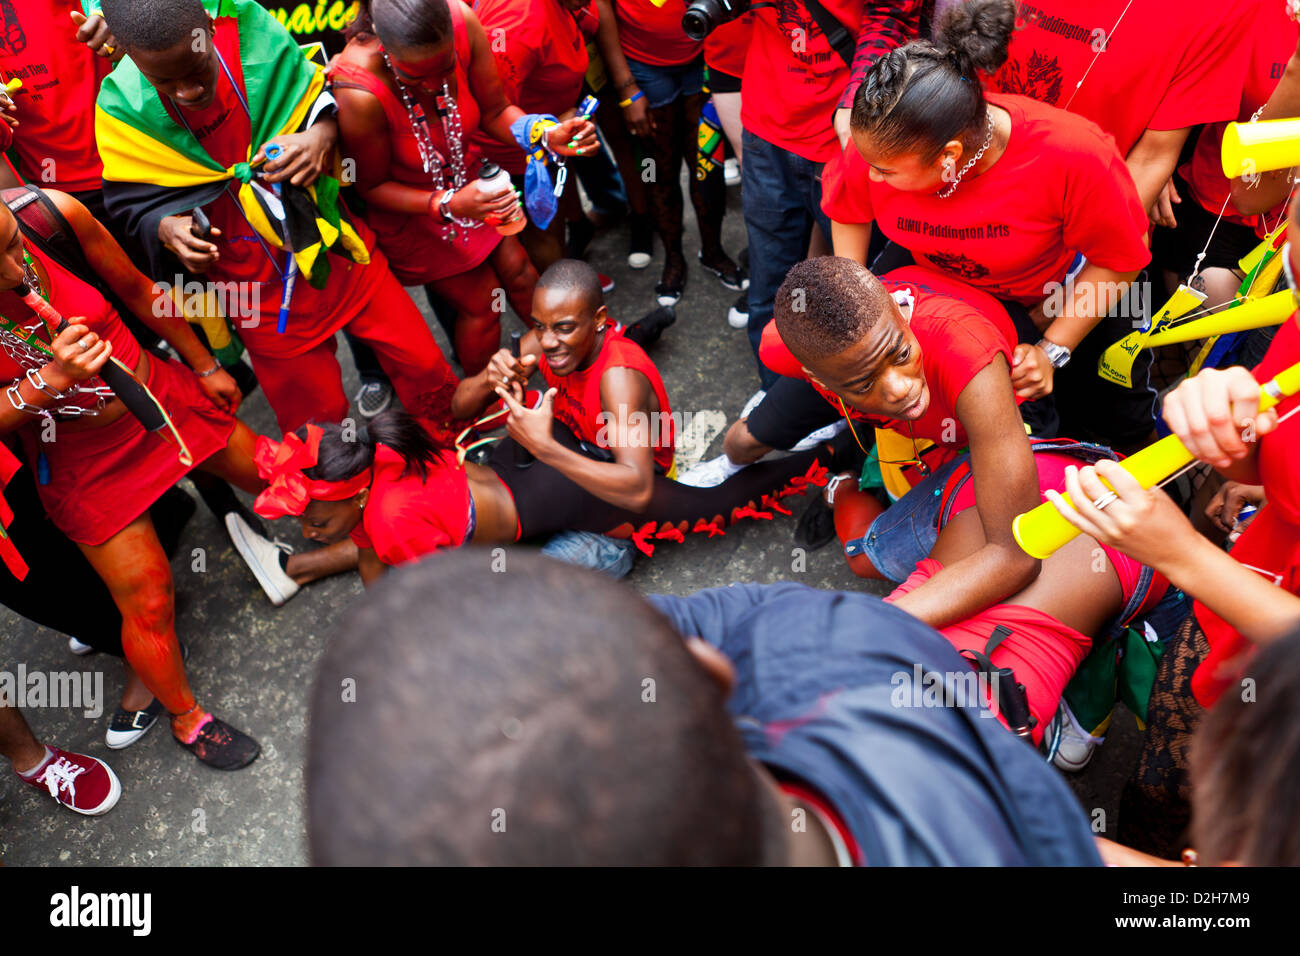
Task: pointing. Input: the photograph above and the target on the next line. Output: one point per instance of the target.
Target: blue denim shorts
(904, 535)
(664, 84)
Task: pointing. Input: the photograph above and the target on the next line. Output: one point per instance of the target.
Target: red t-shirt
(407, 518)
(1273, 40)
(541, 54)
(56, 104)
(651, 33)
(1163, 66)
(578, 405)
(794, 79)
(959, 329)
(1270, 544)
(224, 130)
(726, 48)
(1059, 188)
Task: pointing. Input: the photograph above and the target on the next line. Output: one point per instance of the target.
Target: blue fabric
(783, 199)
(539, 192)
(664, 84)
(587, 549)
(901, 537)
(820, 695)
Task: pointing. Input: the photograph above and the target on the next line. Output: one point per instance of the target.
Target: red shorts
(102, 479)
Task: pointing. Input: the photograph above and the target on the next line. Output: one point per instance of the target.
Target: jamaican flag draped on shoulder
(154, 167)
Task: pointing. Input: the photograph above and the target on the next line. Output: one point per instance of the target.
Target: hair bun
(976, 34)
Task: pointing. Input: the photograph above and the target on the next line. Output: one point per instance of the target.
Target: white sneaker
(754, 401)
(711, 473)
(78, 648)
(826, 433)
(263, 559)
(731, 171)
(738, 314)
(1069, 746)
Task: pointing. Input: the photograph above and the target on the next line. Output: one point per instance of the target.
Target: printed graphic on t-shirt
(957, 264)
(13, 39)
(798, 25)
(1040, 76)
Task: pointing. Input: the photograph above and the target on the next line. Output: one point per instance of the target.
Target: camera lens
(697, 22)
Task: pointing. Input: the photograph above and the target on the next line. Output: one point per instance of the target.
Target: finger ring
(110, 49)
(84, 346)
(1105, 500)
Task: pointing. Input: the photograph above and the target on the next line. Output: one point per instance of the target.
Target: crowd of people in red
(953, 210)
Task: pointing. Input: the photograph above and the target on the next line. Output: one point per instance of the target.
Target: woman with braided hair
(1002, 192)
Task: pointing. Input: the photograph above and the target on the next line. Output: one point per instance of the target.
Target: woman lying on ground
(401, 497)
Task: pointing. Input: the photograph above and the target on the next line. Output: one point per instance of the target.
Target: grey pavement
(253, 664)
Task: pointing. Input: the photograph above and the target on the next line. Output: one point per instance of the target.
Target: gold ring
(109, 49)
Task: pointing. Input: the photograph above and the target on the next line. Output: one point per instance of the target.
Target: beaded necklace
(434, 163)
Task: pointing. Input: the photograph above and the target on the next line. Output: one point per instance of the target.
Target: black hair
(1245, 788)
(407, 24)
(347, 452)
(827, 304)
(922, 95)
(549, 715)
(576, 276)
(154, 25)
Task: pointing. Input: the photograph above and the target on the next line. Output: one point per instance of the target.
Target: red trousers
(309, 387)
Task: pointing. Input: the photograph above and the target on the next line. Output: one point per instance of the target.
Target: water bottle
(491, 180)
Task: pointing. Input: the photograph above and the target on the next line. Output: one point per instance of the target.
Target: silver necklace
(430, 158)
(988, 141)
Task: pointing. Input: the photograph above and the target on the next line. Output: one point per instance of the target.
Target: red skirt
(102, 479)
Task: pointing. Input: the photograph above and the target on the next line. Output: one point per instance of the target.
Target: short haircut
(1245, 788)
(827, 304)
(154, 25)
(577, 277)
(408, 24)
(546, 715)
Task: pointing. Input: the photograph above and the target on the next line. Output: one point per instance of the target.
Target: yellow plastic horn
(1253, 314)
(1258, 147)
(1042, 531)
(14, 85)
(1116, 363)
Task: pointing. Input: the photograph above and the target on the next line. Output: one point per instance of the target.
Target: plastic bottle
(492, 179)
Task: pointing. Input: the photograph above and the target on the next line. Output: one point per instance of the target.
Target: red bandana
(289, 491)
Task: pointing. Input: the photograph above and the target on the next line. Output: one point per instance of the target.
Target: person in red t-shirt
(725, 51)
(1212, 221)
(413, 84)
(1145, 72)
(1247, 597)
(658, 73)
(940, 375)
(541, 52)
(797, 94)
(1002, 192)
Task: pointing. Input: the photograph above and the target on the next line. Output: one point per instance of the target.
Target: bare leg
(17, 742)
(742, 447)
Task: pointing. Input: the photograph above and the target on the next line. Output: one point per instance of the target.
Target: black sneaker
(374, 399)
(126, 727)
(223, 747)
(646, 330)
(816, 526)
(731, 277)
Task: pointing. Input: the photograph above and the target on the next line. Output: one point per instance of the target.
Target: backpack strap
(1011, 701)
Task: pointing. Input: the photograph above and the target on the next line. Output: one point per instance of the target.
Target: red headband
(289, 491)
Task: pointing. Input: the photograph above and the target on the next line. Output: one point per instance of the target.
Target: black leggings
(547, 502)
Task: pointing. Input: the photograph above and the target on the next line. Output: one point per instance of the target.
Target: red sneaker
(80, 783)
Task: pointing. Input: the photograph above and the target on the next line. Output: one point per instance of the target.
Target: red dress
(102, 479)
(416, 250)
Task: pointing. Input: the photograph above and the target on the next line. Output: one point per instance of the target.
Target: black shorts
(1176, 249)
(790, 411)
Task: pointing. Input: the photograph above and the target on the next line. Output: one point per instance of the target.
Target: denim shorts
(664, 84)
(904, 535)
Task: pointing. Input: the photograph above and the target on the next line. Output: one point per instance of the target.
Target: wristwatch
(1058, 355)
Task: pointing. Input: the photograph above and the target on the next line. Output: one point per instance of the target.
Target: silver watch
(1058, 355)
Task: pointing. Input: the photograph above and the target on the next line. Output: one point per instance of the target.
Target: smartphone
(201, 227)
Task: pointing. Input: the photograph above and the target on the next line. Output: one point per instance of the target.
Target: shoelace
(60, 776)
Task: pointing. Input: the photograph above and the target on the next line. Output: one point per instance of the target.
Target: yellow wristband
(623, 104)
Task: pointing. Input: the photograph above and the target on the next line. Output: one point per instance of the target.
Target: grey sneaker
(263, 559)
(1069, 746)
(374, 398)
